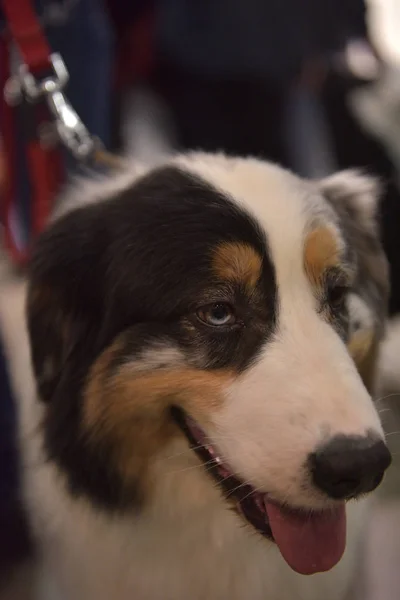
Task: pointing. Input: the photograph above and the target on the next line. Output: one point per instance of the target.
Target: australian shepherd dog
(203, 340)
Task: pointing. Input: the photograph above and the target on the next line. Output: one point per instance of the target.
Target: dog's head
(228, 304)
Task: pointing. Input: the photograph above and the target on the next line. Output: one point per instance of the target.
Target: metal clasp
(70, 128)
(34, 89)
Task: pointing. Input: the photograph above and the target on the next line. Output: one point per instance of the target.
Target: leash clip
(70, 129)
(23, 84)
(72, 132)
(67, 125)
(34, 88)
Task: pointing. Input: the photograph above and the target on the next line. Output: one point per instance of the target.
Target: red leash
(44, 164)
(27, 32)
(34, 98)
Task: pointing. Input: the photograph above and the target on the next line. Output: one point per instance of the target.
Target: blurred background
(311, 84)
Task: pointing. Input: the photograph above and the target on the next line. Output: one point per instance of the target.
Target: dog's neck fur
(188, 528)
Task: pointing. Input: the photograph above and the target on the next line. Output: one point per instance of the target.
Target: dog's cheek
(364, 349)
(363, 342)
(128, 411)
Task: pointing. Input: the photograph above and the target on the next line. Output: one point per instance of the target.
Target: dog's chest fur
(195, 551)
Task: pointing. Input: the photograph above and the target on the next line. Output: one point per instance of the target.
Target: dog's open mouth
(309, 541)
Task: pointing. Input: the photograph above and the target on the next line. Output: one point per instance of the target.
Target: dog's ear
(65, 301)
(355, 199)
(71, 287)
(355, 196)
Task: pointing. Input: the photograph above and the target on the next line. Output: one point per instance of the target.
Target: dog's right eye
(336, 296)
(218, 314)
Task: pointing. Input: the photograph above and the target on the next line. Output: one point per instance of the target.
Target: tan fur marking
(130, 409)
(237, 263)
(360, 344)
(363, 348)
(320, 252)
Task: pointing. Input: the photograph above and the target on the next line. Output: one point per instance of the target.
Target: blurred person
(80, 31)
(271, 78)
(228, 68)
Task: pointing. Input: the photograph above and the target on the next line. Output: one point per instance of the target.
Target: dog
(204, 337)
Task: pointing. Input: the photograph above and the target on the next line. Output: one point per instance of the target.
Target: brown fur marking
(130, 409)
(321, 251)
(237, 263)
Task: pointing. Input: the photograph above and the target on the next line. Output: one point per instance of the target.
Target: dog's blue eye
(217, 315)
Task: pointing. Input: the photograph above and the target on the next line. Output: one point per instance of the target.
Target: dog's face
(226, 303)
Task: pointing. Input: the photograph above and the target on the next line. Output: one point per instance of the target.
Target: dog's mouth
(309, 541)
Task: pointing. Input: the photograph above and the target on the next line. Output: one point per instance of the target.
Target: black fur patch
(138, 263)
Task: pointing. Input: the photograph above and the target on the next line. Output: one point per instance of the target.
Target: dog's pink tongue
(308, 542)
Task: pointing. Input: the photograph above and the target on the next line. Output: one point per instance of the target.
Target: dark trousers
(238, 117)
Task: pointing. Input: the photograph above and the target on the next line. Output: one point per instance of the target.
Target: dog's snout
(349, 466)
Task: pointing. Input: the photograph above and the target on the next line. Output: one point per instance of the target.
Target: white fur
(187, 544)
(361, 314)
(304, 388)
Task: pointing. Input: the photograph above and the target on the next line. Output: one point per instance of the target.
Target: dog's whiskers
(187, 451)
(201, 465)
(382, 398)
(207, 441)
(383, 410)
(392, 433)
(244, 484)
(252, 491)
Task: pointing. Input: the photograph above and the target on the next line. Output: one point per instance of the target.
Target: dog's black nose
(349, 466)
